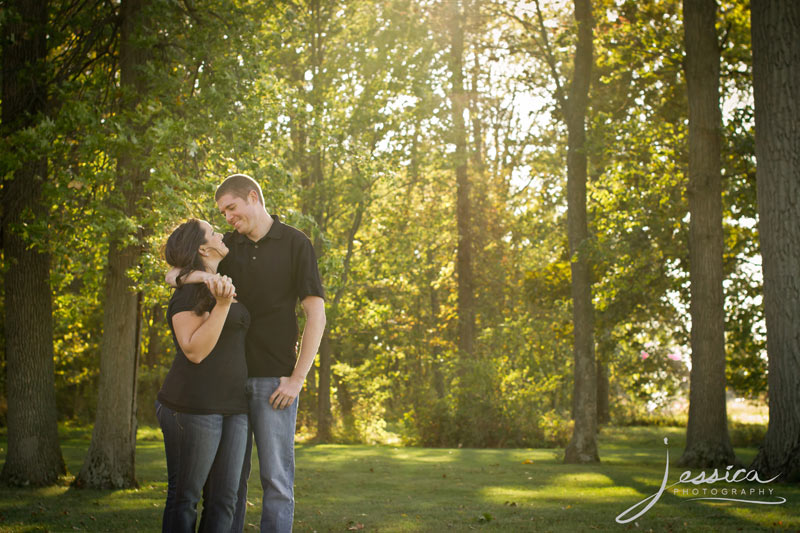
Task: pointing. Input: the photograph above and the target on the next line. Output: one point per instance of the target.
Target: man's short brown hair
(240, 186)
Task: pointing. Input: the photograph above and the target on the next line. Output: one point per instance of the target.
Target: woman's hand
(197, 335)
(221, 288)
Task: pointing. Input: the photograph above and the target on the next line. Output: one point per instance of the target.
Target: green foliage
(338, 109)
(747, 434)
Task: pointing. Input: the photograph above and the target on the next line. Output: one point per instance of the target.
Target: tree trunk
(603, 412)
(464, 267)
(435, 309)
(110, 460)
(707, 442)
(147, 386)
(316, 206)
(345, 400)
(155, 348)
(324, 415)
(34, 456)
(582, 447)
(776, 84)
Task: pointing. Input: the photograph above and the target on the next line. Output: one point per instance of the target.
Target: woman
(202, 408)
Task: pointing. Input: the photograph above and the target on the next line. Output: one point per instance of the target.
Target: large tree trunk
(582, 447)
(776, 84)
(110, 460)
(707, 440)
(324, 415)
(603, 411)
(34, 456)
(316, 206)
(458, 102)
(431, 272)
(153, 350)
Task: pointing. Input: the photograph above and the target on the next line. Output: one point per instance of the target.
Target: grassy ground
(395, 489)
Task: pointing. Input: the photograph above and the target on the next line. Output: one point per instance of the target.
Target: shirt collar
(275, 232)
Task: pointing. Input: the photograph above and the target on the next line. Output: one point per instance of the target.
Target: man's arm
(195, 276)
(289, 388)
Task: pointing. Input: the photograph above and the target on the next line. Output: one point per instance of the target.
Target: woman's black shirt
(217, 384)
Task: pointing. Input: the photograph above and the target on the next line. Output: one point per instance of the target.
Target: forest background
(423, 147)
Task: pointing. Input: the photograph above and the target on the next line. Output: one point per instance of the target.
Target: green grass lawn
(396, 489)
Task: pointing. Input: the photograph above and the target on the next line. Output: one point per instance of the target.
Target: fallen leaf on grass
(527, 462)
(355, 527)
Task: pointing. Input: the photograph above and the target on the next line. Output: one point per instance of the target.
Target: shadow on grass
(68, 509)
(65, 508)
(407, 489)
(395, 489)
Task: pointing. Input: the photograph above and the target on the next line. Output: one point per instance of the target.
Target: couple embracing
(236, 374)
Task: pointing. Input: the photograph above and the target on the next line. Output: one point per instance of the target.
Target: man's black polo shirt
(271, 276)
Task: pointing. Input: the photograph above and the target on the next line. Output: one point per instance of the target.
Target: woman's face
(213, 244)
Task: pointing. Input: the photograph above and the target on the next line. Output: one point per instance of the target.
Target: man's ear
(252, 197)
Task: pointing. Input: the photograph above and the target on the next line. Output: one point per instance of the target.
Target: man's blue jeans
(202, 450)
(273, 430)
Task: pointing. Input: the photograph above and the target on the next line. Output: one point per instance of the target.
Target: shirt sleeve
(183, 299)
(307, 278)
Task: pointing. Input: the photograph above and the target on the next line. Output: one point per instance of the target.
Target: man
(273, 266)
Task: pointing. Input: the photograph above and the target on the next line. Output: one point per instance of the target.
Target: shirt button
(256, 246)
(254, 258)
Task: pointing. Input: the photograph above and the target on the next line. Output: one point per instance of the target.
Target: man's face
(238, 212)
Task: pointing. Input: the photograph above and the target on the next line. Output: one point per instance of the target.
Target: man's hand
(286, 392)
(172, 277)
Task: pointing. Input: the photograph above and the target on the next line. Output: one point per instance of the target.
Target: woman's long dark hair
(181, 251)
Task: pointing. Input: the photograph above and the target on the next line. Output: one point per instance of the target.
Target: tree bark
(776, 84)
(110, 460)
(603, 412)
(707, 442)
(582, 447)
(315, 206)
(324, 415)
(155, 348)
(34, 455)
(431, 272)
(458, 102)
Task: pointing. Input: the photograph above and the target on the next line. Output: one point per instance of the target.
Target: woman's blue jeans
(204, 458)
